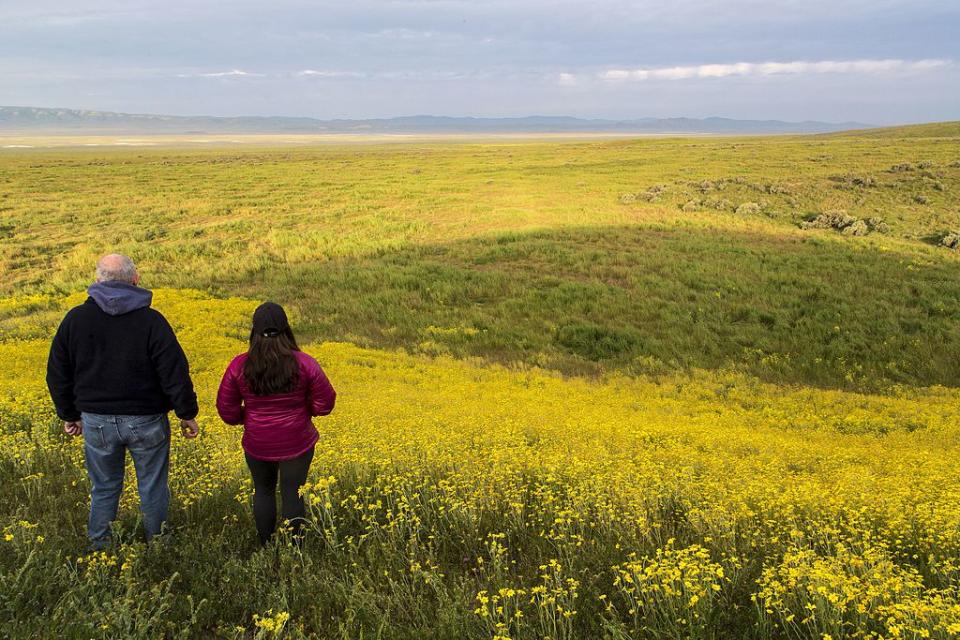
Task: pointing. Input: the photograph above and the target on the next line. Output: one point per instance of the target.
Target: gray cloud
(493, 57)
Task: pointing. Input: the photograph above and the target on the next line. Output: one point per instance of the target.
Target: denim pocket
(93, 431)
(93, 436)
(148, 431)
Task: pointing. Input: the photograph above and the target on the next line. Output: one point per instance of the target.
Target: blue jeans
(106, 439)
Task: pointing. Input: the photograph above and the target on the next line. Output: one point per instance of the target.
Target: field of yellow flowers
(450, 499)
(598, 389)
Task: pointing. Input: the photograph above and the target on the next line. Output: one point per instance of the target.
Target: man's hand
(72, 427)
(189, 428)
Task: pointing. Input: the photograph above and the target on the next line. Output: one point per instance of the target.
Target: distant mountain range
(41, 120)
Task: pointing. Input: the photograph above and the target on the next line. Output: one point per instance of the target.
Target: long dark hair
(271, 365)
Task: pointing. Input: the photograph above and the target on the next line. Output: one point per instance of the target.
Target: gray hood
(117, 298)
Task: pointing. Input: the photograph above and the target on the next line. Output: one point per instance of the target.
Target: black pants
(292, 475)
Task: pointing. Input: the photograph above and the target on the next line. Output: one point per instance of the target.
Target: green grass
(949, 129)
(580, 256)
(786, 307)
(588, 258)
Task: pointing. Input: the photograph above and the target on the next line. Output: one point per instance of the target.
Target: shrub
(720, 204)
(839, 220)
(951, 240)
(852, 180)
(654, 193)
(834, 219)
(858, 228)
(777, 189)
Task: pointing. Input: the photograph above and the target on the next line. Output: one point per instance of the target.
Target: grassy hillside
(715, 422)
(446, 495)
(931, 130)
(642, 256)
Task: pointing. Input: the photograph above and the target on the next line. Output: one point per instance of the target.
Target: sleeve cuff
(187, 415)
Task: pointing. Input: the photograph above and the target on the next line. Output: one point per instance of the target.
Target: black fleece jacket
(127, 364)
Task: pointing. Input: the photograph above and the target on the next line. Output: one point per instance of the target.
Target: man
(115, 370)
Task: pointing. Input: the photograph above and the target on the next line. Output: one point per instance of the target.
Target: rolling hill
(21, 119)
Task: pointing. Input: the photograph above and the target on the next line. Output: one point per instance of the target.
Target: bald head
(115, 267)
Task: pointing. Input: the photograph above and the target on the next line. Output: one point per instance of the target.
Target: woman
(273, 390)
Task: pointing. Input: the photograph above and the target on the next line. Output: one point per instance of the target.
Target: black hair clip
(271, 333)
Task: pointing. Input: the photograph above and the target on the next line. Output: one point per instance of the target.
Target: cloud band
(760, 69)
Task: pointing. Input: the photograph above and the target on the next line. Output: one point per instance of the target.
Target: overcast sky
(874, 61)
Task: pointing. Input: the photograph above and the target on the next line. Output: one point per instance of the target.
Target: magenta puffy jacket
(276, 427)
